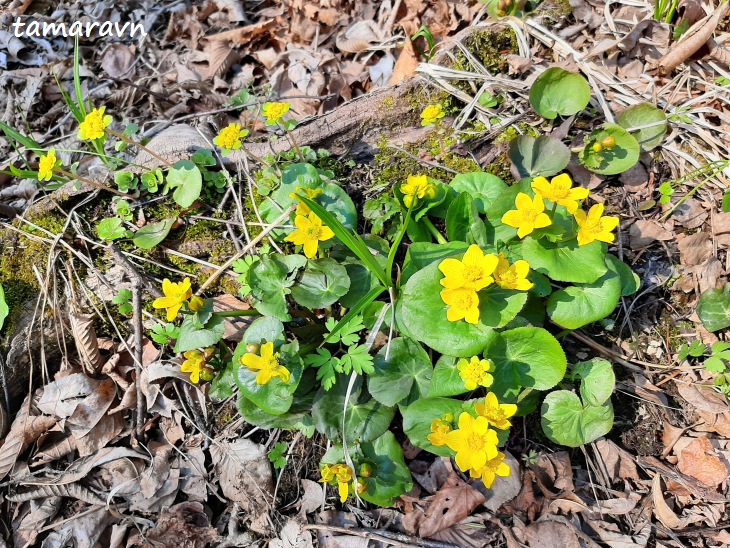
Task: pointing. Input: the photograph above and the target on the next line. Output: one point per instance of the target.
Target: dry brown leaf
(358, 36)
(643, 233)
(618, 462)
(662, 511)
(718, 423)
(108, 428)
(695, 249)
(453, 502)
(92, 408)
(117, 60)
(699, 460)
(244, 473)
(85, 530)
(293, 536)
(27, 529)
(312, 498)
(554, 471)
(551, 533)
(234, 327)
(703, 398)
(82, 328)
(691, 214)
(61, 397)
(406, 65)
(721, 223)
(27, 427)
(185, 525)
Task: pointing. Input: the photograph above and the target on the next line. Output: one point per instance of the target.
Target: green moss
(16, 293)
(388, 103)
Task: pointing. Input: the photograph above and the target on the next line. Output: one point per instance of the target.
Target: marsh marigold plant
(94, 125)
(176, 294)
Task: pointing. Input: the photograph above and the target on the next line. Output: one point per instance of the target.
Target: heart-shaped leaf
(559, 92)
(541, 156)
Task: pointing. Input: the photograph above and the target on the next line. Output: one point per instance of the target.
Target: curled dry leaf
(185, 525)
(244, 474)
(359, 36)
(554, 471)
(26, 530)
(703, 398)
(82, 328)
(61, 397)
(618, 462)
(453, 502)
(643, 233)
(695, 249)
(662, 511)
(117, 60)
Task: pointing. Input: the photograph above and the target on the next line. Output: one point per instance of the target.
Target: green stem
(434, 232)
(552, 211)
(294, 142)
(236, 313)
(397, 241)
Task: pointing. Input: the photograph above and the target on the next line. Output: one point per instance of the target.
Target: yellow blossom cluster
(342, 475)
(474, 442)
(431, 114)
(230, 137)
(417, 187)
(530, 213)
(474, 272)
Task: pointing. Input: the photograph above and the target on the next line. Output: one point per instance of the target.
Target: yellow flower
(463, 304)
(475, 372)
(311, 193)
(471, 272)
(494, 467)
(416, 188)
(528, 216)
(431, 114)
(475, 444)
(93, 126)
(230, 137)
(267, 365)
(194, 363)
(47, 164)
(328, 473)
(274, 112)
(175, 295)
(310, 231)
(196, 303)
(439, 429)
(595, 227)
(343, 475)
(558, 191)
(512, 277)
(496, 413)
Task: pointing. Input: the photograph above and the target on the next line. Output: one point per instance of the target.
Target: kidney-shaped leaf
(610, 161)
(565, 261)
(714, 308)
(322, 283)
(640, 116)
(566, 421)
(483, 187)
(405, 375)
(542, 156)
(559, 92)
(418, 416)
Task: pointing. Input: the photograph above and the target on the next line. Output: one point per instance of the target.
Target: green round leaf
(322, 283)
(186, 179)
(463, 222)
(566, 421)
(263, 330)
(298, 416)
(579, 305)
(597, 380)
(405, 375)
(611, 161)
(418, 416)
(276, 396)
(525, 356)
(112, 229)
(483, 187)
(644, 114)
(565, 261)
(192, 337)
(714, 308)
(365, 419)
(4, 308)
(391, 477)
(541, 156)
(446, 379)
(425, 314)
(630, 282)
(559, 92)
(152, 234)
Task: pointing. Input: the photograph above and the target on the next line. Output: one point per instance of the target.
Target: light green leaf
(630, 281)
(525, 356)
(152, 234)
(321, 284)
(566, 261)
(422, 254)
(417, 418)
(463, 221)
(405, 375)
(640, 115)
(597, 380)
(186, 179)
(391, 477)
(581, 304)
(191, 337)
(559, 92)
(714, 308)
(541, 156)
(112, 229)
(615, 160)
(483, 187)
(263, 330)
(565, 420)
(4, 309)
(446, 379)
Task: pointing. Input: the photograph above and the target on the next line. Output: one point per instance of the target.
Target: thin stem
(432, 229)
(255, 158)
(397, 241)
(90, 182)
(138, 145)
(552, 211)
(294, 142)
(236, 313)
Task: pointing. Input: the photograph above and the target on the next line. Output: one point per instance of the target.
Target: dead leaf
(635, 178)
(551, 533)
(292, 536)
(618, 462)
(61, 397)
(453, 502)
(406, 65)
(695, 248)
(504, 489)
(554, 471)
(26, 527)
(117, 60)
(244, 473)
(662, 511)
(643, 233)
(703, 398)
(358, 36)
(185, 525)
(699, 460)
(691, 214)
(312, 498)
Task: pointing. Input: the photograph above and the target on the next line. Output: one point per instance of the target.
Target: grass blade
(373, 294)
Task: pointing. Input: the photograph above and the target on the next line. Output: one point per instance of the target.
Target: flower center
(509, 276)
(271, 364)
(560, 191)
(529, 215)
(593, 227)
(464, 301)
(473, 273)
(229, 136)
(312, 232)
(475, 442)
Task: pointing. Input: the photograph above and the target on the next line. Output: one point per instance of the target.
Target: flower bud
(366, 470)
(508, 3)
(361, 486)
(501, 5)
(597, 147)
(207, 374)
(253, 348)
(196, 303)
(609, 142)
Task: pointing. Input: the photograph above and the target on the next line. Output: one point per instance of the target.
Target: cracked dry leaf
(699, 460)
(61, 397)
(695, 249)
(643, 233)
(618, 462)
(185, 525)
(452, 503)
(292, 536)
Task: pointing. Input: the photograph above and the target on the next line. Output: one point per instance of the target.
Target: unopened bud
(609, 142)
(501, 5)
(366, 470)
(253, 348)
(597, 147)
(196, 303)
(207, 374)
